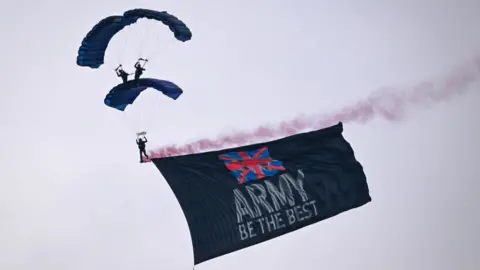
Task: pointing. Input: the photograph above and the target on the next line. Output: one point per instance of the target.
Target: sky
(73, 195)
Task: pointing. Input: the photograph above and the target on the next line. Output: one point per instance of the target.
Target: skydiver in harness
(122, 74)
(141, 145)
(139, 68)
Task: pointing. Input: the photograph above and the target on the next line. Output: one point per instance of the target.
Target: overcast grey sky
(73, 195)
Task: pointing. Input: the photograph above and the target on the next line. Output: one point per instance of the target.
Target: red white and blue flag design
(252, 165)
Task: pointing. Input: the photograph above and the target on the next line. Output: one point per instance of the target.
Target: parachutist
(139, 68)
(141, 147)
(121, 73)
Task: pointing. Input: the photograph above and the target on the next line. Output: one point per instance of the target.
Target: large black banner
(239, 197)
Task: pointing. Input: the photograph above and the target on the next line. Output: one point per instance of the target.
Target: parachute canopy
(92, 51)
(125, 94)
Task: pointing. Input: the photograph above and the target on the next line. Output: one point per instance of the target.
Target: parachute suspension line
(116, 52)
(139, 118)
(157, 52)
(151, 42)
(132, 44)
(147, 43)
(140, 38)
(120, 57)
(165, 47)
(143, 33)
(130, 122)
(154, 53)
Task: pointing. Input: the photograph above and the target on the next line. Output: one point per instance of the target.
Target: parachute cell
(125, 94)
(92, 51)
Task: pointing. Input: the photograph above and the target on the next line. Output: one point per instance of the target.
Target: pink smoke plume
(389, 103)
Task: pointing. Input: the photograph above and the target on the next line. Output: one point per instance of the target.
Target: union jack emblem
(252, 165)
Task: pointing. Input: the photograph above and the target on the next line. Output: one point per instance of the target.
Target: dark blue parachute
(125, 94)
(92, 51)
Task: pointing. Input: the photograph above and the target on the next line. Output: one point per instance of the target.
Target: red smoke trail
(385, 102)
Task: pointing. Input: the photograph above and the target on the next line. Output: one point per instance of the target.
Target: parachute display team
(92, 53)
